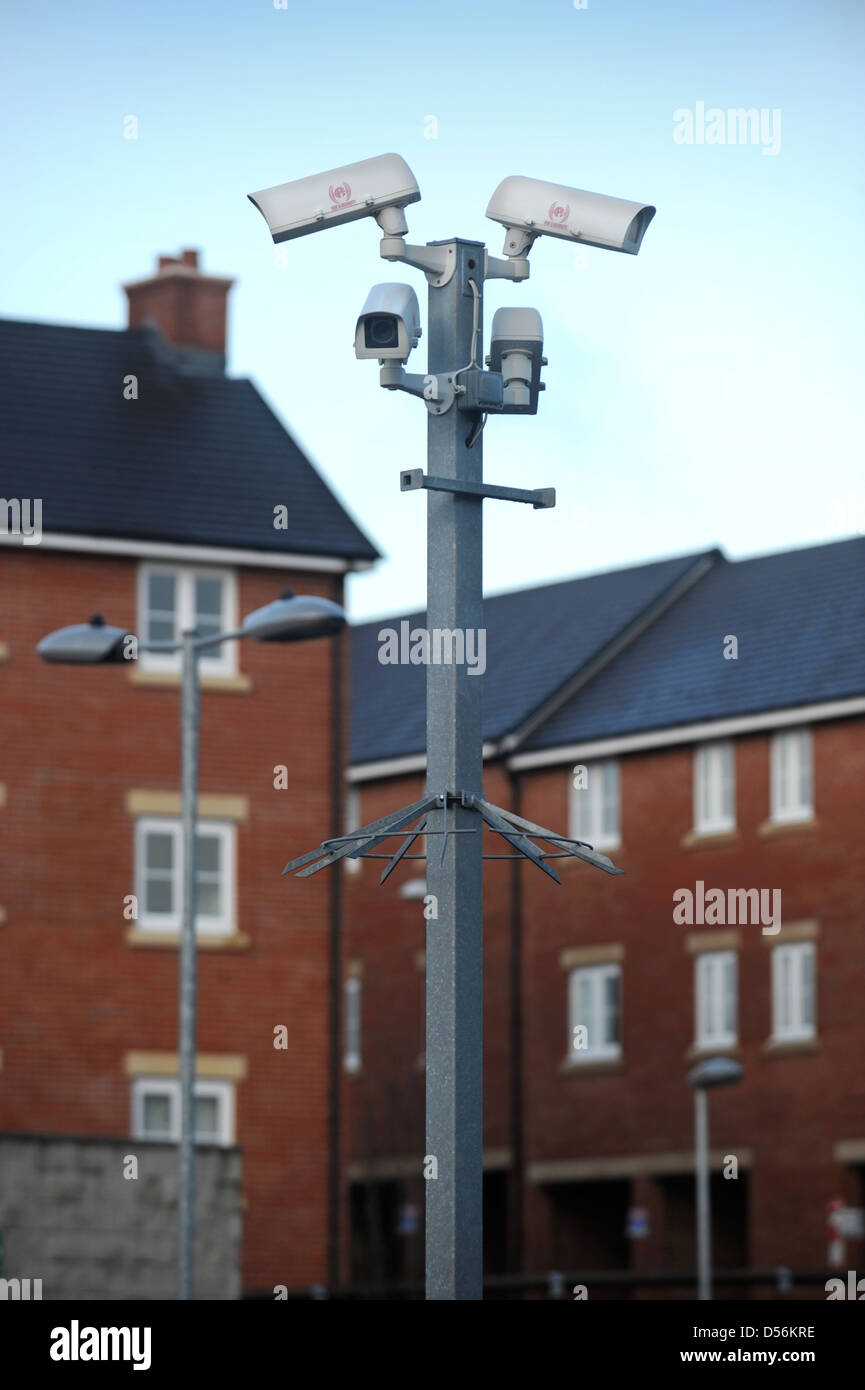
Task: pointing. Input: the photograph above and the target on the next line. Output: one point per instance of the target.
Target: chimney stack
(189, 307)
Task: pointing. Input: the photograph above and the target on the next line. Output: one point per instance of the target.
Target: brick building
(702, 722)
(170, 492)
(699, 720)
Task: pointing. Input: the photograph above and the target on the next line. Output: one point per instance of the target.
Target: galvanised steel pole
(704, 1211)
(454, 939)
(189, 733)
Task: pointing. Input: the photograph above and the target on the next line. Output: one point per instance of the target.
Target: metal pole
(454, 962)
(704, 1212)
(189, 730)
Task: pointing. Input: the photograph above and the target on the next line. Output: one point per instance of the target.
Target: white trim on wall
(690, 733)
(206, 554)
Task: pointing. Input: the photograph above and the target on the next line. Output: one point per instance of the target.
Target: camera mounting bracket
(436, 391)
(438, 263)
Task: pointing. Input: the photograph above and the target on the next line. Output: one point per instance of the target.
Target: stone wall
(70, 1217)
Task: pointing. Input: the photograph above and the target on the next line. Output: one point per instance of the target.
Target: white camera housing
(389, 323)
(516, 350)
(529, 208)
(379, 188)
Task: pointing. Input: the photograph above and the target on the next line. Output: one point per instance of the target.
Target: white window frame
(795, 1028)
(715, 787)
(712, 970)
(352, 1057)
(791, 764)
(220, 660)
(588, 805)
(205, 924)
(223, 1090)
(598, 974)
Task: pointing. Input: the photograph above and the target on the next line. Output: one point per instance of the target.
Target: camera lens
(381, 331)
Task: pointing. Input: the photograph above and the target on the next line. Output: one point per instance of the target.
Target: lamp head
(85, 644)
(294, 619)
(715, 1071)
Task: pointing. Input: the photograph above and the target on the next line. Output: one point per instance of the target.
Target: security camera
(516, 348)
(529, 208)
(389, 323)
(379, 188)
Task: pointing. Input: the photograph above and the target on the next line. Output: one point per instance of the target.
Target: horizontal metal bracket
(412, 479)
(518, 833)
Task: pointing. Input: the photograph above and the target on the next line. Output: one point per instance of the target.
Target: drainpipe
(515, 1051)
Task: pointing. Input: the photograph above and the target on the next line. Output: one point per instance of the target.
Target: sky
(706, 392)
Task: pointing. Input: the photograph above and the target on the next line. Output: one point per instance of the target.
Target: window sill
(170, 940)
(698, 839)
(698, 1050)
(238, 685)
(790, 1047)
(597, 1067)
(771, 828)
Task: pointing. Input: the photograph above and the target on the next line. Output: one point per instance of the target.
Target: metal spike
(406, 845)
(571, 847)
(495, 821)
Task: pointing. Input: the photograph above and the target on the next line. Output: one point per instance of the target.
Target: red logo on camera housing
(559, 214)
(340, 194)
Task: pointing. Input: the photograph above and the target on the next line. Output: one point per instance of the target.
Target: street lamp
(290, 618)
(705, 1076)
(458, 395)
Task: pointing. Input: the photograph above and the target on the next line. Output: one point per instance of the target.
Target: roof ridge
(713, 552)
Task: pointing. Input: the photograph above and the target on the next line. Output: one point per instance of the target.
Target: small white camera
(389, 323)
(516, 350)
(379, 188)
(529, 208)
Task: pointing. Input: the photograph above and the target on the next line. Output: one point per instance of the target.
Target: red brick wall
(74, 996)
(789, 1111)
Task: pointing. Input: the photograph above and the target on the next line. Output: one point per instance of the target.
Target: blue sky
(708, 391)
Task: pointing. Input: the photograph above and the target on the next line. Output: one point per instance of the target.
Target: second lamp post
(288, 619)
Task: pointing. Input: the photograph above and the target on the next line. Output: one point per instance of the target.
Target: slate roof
(198, 458)
(799, 617)
(536, 640)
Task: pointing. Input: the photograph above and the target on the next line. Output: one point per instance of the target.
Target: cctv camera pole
(454, 804)
(454, 939)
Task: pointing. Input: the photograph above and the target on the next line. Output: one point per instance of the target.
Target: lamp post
(290, 618)
(710, 1073)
